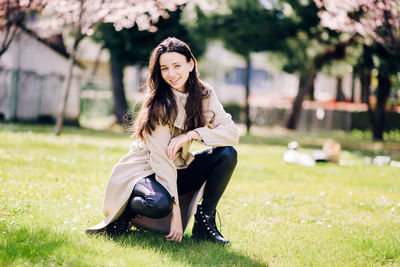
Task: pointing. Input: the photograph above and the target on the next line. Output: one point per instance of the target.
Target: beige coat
(146, 158)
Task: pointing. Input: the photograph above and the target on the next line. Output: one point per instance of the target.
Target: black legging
(214, 165)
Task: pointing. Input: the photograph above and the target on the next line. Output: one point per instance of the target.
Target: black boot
(204, 228)
(121, 225)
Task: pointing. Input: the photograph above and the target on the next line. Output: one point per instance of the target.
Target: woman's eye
(164, 69)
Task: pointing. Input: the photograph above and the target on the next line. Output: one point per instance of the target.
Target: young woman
(159, 183)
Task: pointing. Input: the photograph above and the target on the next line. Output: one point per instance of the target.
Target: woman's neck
(179, 92)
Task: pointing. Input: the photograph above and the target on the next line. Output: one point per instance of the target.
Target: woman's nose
(171, 73)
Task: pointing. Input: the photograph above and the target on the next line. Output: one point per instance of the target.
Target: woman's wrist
(189, 136)
(193, 135)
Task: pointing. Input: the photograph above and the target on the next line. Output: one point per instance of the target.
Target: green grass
(275, 214)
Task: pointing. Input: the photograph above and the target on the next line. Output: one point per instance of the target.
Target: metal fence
(96, 99)
(29, 96)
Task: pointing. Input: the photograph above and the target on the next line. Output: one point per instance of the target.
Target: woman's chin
(177, 88)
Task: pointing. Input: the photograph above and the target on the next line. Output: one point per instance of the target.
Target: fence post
(39, 95)
(13, 95)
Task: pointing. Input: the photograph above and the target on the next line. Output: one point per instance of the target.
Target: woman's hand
(176, 143)
(176, 231)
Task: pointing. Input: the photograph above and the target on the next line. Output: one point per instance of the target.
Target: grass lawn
(275, 214)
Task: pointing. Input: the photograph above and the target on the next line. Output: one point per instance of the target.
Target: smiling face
(175, 70)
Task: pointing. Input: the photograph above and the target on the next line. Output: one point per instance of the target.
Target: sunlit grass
(274, 213)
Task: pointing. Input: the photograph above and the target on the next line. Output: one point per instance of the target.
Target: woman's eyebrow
(171, 64)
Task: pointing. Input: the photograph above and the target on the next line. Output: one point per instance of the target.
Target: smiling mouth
(175, 81)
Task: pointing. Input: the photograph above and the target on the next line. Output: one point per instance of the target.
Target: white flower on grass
(2, 219)
(329, 226)
(350, 193)
(322, 193)
(88, 206)
(318, 222)
(245, 204)
(49, 158)
(268, 202)
(303, 221)
(362, 204)
(392, 209)
(12, 222)
(73, 228)
(66, 222)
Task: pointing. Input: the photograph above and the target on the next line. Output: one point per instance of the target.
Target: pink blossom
(88, 13)
(365, 17)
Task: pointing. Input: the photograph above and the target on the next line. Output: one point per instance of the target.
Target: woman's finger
(175, 150)
(179, 238)
(174, 145)
(170, 149)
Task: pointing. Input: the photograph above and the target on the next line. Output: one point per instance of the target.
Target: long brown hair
(159, 106)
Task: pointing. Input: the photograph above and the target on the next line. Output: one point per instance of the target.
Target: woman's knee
(150, 199)
(154, 206)
(229, 154)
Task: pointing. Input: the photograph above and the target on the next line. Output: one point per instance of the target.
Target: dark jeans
(213, 165)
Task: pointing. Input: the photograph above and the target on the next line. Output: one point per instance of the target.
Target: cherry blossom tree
(377, 22)
(80, 17)
(12, 16)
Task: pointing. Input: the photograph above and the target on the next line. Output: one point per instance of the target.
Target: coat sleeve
(163, 167)
(221, 130)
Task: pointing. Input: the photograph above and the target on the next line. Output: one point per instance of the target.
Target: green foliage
(236, 111)
(247, 27)
(274, 213)
(303, 52)
(133, 47)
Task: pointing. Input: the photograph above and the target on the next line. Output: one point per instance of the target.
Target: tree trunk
(339, 90)
(305, 85)
(65, 88)
(365, 74)
(68, 78)
(307, 80)
(247, 105)
(311, 93)
(8, 36)
(383, 91)
(119, 99)
(353, 85)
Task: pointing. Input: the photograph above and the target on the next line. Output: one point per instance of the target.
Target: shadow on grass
(189, 251)
(25, 246)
